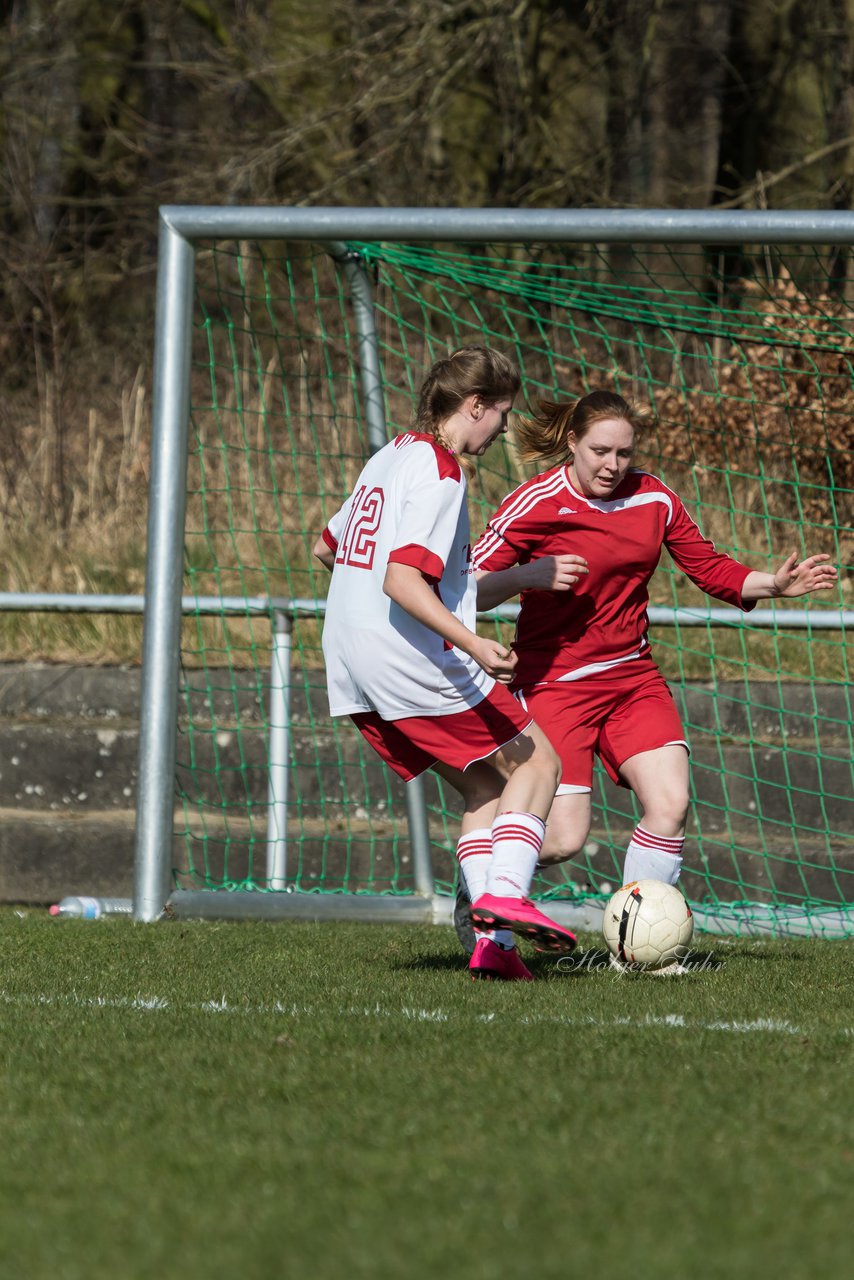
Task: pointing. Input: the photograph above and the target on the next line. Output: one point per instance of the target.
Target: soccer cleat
(462, 921)
(497, 963)
(522, 917)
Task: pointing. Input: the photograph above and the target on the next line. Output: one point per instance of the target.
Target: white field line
(157, 1004)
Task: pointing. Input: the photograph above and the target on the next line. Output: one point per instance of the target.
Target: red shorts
(414, 744)
(615, 713)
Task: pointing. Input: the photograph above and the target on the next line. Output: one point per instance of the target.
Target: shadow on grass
(596, 960)
(579, 964)
(434, 963)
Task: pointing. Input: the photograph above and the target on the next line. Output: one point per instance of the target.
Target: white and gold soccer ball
(648, 924)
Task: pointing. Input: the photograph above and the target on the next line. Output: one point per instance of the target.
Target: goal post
(290, 343)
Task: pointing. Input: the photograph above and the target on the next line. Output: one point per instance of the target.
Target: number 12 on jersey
(359, 542)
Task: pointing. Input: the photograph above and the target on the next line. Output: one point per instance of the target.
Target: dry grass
(278, 437)
(253, 514)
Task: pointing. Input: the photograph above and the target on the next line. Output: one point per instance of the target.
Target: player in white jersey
(580, 542)
(404, 660)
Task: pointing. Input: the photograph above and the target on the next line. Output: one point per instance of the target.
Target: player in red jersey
(403, 658)
(580, 542)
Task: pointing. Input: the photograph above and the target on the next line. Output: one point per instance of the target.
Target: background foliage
(110, 108)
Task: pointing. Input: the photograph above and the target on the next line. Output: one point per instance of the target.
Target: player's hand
(498, 662)
(554, 573)
(798, 579)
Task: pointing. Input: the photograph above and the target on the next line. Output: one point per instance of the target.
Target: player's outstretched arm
(793, 578)
(407, 587)
(547, 573)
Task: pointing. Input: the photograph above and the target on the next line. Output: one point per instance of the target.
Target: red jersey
(603, 620)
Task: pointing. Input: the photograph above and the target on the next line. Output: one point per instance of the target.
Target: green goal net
(746, 357)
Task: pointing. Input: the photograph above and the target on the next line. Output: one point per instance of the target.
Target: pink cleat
(498, 964)
(521, 916)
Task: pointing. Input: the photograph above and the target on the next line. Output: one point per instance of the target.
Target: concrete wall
(68, 775)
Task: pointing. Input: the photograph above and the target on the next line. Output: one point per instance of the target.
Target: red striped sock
(652, 857)
(474, 854)
(516, 842)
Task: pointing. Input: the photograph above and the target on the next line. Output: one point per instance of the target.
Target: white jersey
(408, 507)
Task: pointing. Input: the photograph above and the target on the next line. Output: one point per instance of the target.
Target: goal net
(745, 354)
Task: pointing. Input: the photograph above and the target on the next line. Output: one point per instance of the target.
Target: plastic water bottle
(91, 908)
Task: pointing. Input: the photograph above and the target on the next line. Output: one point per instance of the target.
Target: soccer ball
(648, 924)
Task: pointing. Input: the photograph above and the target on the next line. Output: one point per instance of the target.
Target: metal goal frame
(180, 228)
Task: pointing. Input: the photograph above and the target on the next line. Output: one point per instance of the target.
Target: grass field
(252, 1100)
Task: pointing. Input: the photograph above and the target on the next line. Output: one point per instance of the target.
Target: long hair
(542, 435)
(469, 371)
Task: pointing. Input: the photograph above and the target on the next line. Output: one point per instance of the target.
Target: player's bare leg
(660, 780)
(480, 787)
(529, 766)
(567, 828)
(533, 770)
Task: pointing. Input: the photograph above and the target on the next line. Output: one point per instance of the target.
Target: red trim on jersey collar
(599, 503)
(447, 462)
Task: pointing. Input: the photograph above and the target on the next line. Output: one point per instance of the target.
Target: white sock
(474, 854)
(650, 857)
(516, 842)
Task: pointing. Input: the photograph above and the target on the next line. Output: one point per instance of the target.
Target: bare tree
(112, 107)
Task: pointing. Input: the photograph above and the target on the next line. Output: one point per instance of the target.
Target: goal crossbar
(182, 229)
